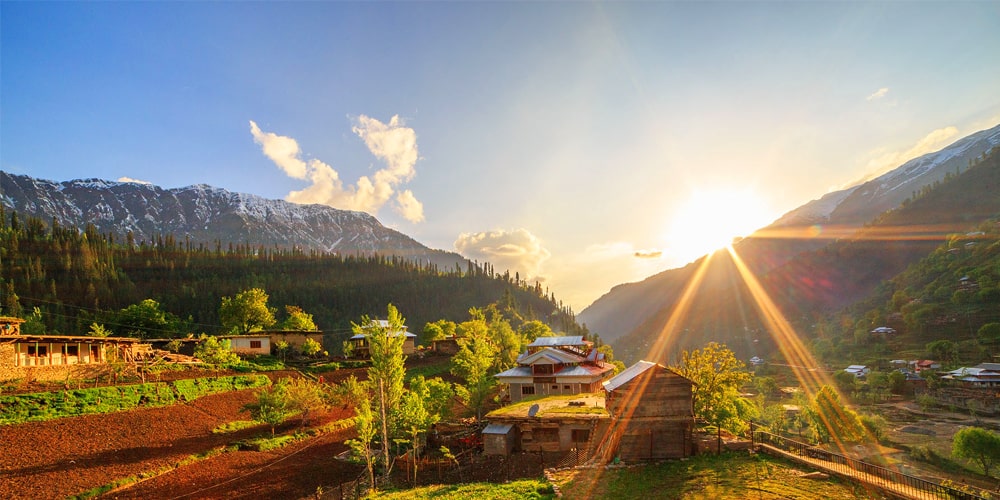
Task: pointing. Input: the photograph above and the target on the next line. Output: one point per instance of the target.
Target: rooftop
(585, 405)
(558, 341)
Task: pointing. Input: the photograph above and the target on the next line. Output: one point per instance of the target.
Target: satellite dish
(533, 410)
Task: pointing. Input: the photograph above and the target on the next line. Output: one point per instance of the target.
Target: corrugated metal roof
(627, 374)
(517, 371)
(554, 341)
(394, 334)
(551, 354)
(498, 428)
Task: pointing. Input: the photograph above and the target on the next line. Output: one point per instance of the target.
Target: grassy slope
(731, 476)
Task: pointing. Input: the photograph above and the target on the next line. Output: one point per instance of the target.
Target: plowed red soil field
(60, 458)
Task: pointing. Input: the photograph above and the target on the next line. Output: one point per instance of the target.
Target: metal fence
(888, 480)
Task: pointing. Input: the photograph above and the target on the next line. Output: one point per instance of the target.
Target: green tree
(430, 333)
(98, 330)
(718, 376)
(533, 329)
(832, 420)
(944, 350)
(310, 348)
(282, 347)
(386, 373)
(436, 394)
(271, 407)
(215, 351)
(303, 396)
(977, 445)
(298, 320)
(33, 324)
(246, 312)
(366, 429)
(147, 320)
(989, 333)
(414, 419)
(473, 364)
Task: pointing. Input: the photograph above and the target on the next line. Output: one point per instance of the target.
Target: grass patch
(429, 371)
(552, 405)
(729, 476)
(263, 363)
(525, 488)
(234, 426)
(270, 442)
(41, 406)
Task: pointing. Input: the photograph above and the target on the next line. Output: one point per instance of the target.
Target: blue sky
(558, 139)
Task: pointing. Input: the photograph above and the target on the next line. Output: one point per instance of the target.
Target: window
(255, 344)
(527, 390)
(72, 350)
(542, 369)
(555, 387)
(40, 350)
(581, 435)
(544, 434)
(566, 387)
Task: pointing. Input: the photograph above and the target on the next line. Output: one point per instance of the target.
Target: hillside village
(174, 358)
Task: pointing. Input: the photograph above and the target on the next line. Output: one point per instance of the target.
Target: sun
(710, 219)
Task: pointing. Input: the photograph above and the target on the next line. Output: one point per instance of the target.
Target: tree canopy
(246, 312)
(718, 376)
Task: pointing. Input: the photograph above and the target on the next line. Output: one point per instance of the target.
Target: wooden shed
(499, 439)
(652, 408)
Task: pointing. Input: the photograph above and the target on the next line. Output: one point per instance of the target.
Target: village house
(983, 375)
(360, 340)
(447, 345)
(548, 424)
(250, 344)
(556, 365)
(920, 365)
(858, 371)
(645, 412)
(56, 357)
(652, 411)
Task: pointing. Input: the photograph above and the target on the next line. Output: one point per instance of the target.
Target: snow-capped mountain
(861, 203)
(204, 214)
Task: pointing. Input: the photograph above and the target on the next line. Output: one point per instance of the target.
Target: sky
(579, 144)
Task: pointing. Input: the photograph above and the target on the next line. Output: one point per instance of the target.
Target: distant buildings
(361, 345)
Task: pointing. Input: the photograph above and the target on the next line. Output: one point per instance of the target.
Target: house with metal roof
(360, 340)
(556, 365)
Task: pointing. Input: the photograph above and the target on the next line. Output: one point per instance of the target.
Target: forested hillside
(76, 278)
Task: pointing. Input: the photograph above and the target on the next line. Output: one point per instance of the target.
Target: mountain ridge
(804, 229)
(203, 214)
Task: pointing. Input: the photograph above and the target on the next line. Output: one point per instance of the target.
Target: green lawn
(732, 476)
(523, 489)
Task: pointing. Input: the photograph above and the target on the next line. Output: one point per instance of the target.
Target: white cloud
(933, 141)
(515, 251)
(283, 151)
(393, 143)
(409, 206)
(134, 181)
(878, 94)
